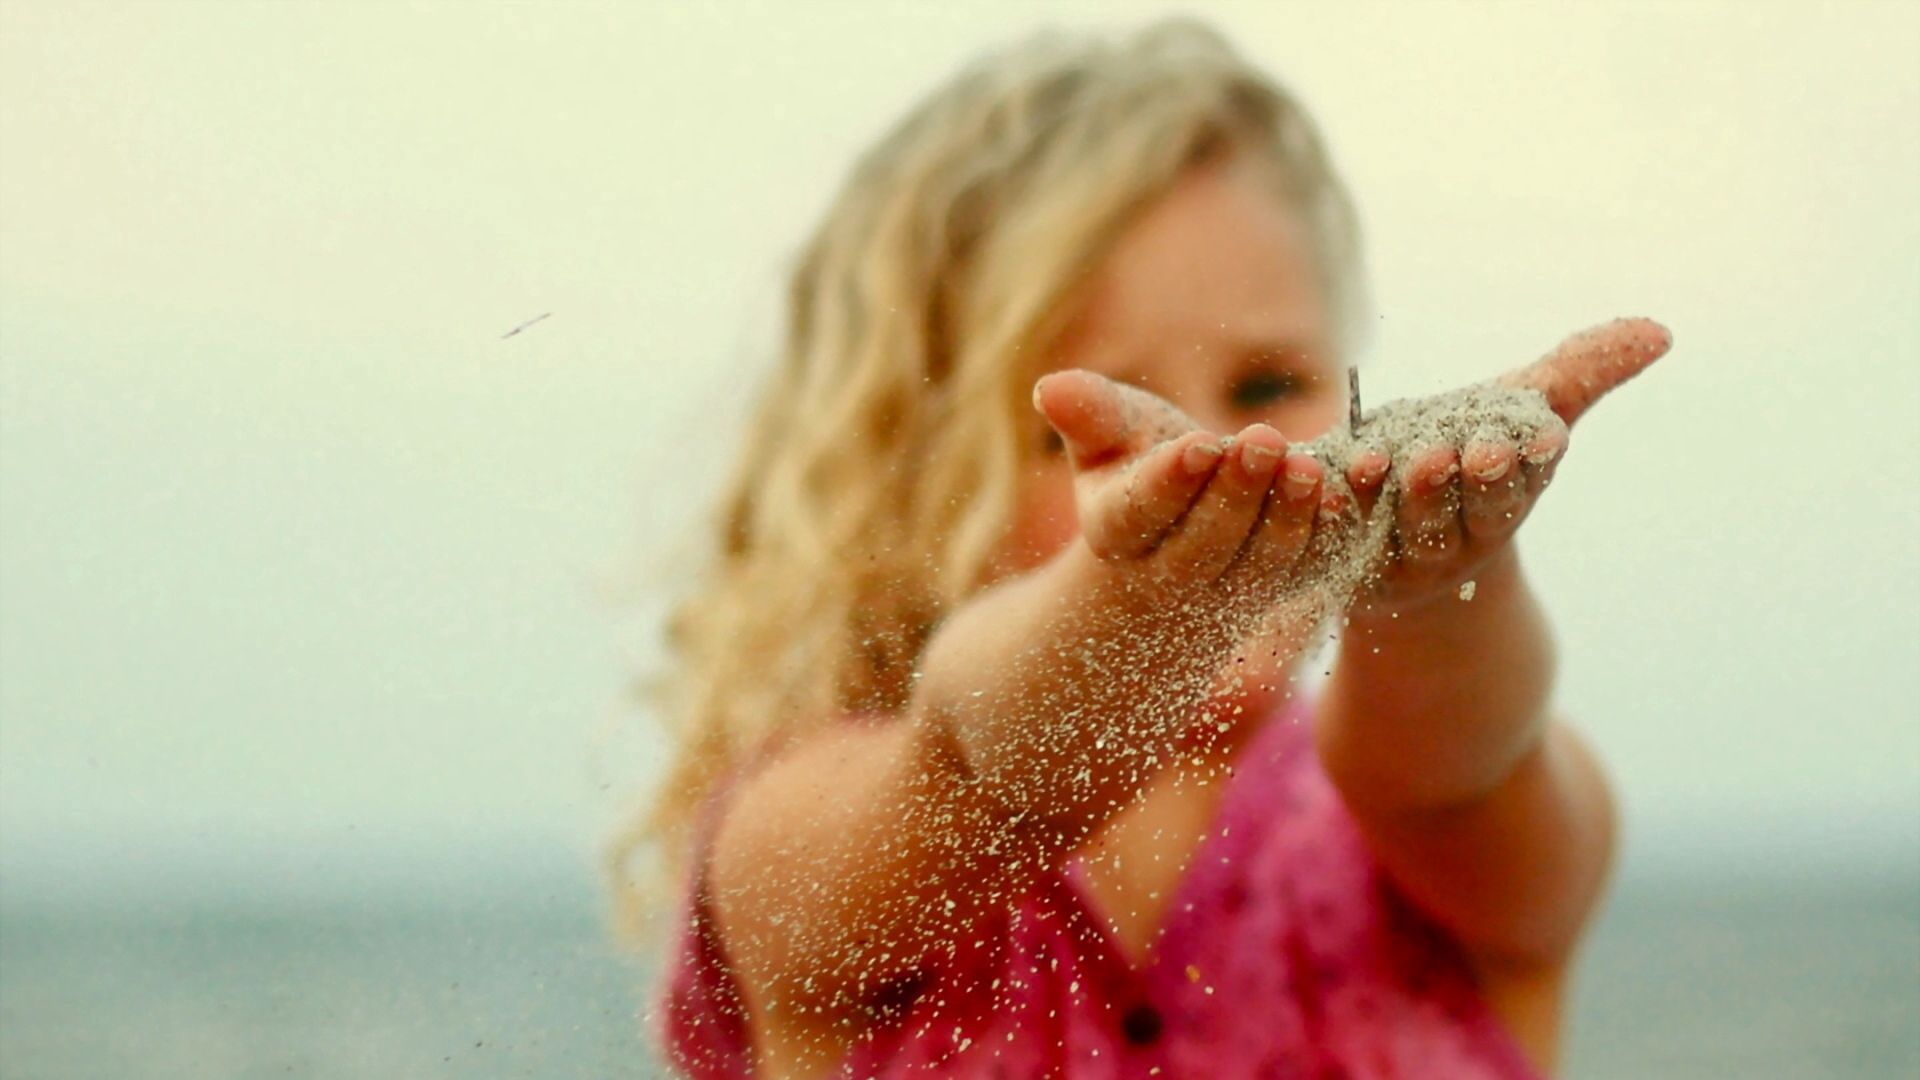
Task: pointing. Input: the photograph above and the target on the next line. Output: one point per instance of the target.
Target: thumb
(1587, 366)
(1101, 420)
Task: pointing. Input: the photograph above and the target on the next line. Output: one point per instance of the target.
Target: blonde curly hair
(880, 468)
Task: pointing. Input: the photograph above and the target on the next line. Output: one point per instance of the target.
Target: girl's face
(1210, 300)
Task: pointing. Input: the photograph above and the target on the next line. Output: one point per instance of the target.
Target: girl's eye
(1263, 388)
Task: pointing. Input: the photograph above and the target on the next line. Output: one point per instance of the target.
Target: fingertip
(1546, 445)
(1045, 396)
(1660, 343)
(1083, 411)
(1302, 474)
(1199, 453)
(1555, 431)
(1487, 462)
(1433, 469)
(1049, 388)
(1263, 435)
(1368, 470)
(1258, 460)
(1646, 335)
(1662, 334)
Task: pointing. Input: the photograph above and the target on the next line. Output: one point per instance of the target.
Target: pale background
(306, 571)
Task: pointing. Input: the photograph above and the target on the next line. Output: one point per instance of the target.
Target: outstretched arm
(1488, 812)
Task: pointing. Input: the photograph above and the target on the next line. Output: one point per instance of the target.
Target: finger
(1212, 533)
(1160, 488)
(1286, 519)
(1429, 511)
(1493, 489)
(1367, 476)
(1587, 366)
(1541, 454)
(1100, 419)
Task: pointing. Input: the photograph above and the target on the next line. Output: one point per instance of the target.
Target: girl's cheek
(1054, 528)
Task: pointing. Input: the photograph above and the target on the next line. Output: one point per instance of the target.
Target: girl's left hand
(1463, 502)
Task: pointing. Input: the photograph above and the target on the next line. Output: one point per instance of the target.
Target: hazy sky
(298, 556)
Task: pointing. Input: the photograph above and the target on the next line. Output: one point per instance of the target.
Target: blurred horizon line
(120, 873)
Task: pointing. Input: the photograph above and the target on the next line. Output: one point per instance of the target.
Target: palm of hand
(1185, 513)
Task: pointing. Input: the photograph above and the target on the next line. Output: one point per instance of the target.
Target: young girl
(991, 756)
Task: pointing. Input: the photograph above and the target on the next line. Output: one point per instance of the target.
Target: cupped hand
(1184, 514)
(1459, 502)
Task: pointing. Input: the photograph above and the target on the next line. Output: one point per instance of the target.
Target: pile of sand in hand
(1346, 553)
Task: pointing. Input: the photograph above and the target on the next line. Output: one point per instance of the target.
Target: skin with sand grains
(1390, 519)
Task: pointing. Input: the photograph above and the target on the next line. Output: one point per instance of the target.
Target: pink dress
(1285, 953)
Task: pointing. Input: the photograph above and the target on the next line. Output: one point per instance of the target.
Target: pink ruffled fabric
(1286, 954)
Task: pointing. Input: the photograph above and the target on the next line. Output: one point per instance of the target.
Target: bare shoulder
(788, 812)
(818, 778)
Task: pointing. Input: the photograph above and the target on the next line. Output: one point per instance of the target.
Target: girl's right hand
(1185, 514)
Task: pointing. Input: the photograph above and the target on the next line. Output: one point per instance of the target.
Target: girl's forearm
(1435, 705)
(1062, 692)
